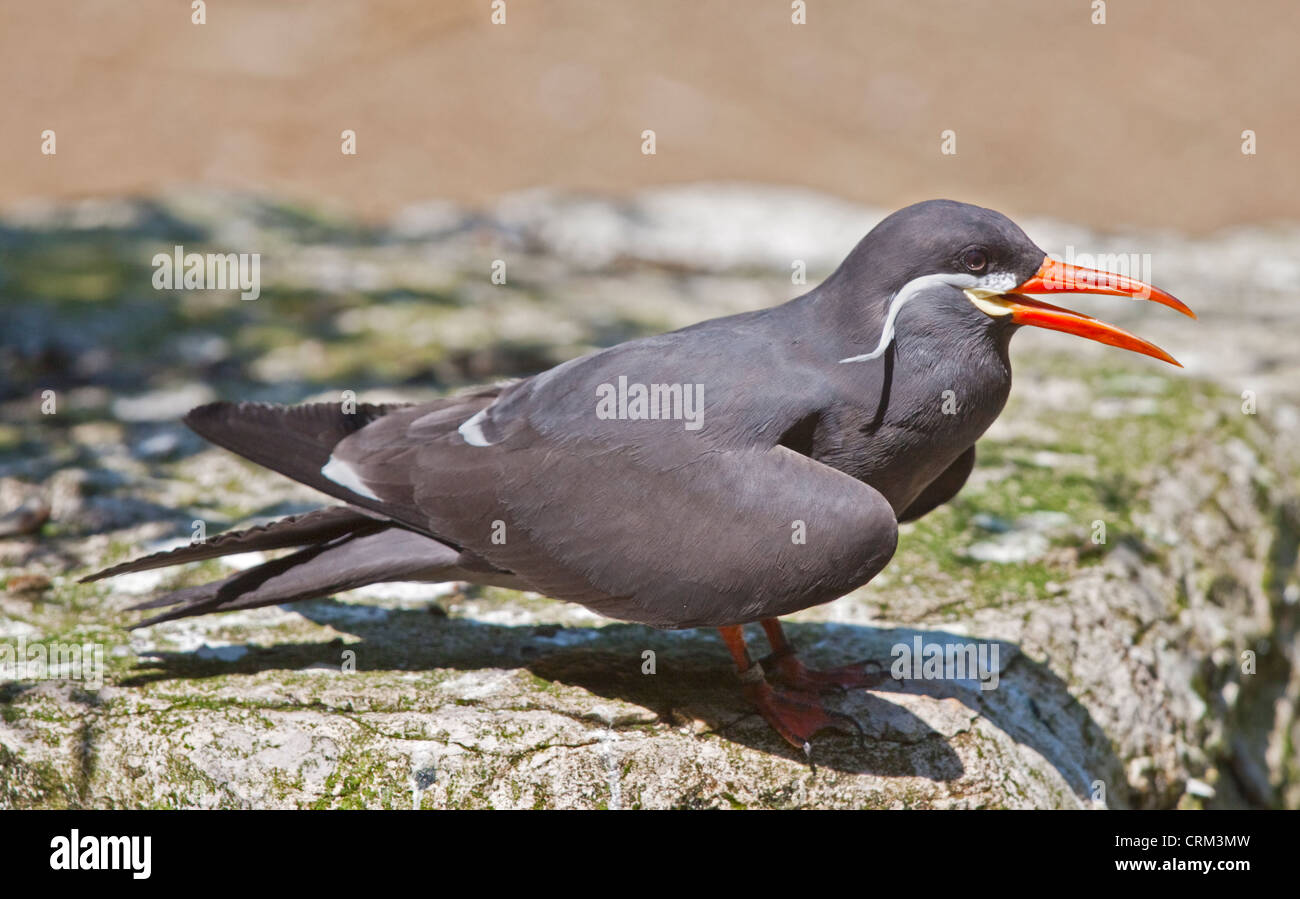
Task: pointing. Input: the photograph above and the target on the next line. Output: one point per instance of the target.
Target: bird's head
(943, 244)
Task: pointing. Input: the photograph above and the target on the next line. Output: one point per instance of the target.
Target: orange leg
(795, 716)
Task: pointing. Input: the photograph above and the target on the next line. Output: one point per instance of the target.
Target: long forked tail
(339, 548)
(316, 526)
(342, 563)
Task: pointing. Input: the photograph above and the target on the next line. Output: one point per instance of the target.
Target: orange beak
(1061, 277)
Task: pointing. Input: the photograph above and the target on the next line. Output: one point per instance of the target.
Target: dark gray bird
(734, 471)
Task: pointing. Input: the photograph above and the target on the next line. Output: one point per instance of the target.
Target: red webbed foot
(786, 669)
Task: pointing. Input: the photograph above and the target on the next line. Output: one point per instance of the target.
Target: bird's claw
(798, 716)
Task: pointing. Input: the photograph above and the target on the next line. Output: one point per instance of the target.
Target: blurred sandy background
(1137, 121)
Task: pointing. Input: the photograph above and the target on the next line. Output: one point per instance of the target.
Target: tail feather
(316, 526)
(369, 541)
(343, 563)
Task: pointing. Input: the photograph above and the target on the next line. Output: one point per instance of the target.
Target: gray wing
(668, 532)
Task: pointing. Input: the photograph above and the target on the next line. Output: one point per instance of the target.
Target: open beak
(1061, 277)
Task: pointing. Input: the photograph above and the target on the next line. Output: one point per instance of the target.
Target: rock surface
(1128, 542)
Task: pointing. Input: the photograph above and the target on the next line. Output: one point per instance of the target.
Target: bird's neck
(850, 318)
(898, 421)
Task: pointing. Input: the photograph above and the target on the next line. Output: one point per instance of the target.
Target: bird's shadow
(693, 680)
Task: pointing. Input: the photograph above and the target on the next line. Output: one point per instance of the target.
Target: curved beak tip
(1054, 276)
(1062, 277)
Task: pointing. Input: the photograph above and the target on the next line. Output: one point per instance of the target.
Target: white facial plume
(987, 285)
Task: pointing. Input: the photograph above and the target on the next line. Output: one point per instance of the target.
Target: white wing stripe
(341, 473)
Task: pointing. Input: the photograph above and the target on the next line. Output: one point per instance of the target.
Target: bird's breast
(923, 416)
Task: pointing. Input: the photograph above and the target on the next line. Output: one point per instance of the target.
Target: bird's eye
(974, 259)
